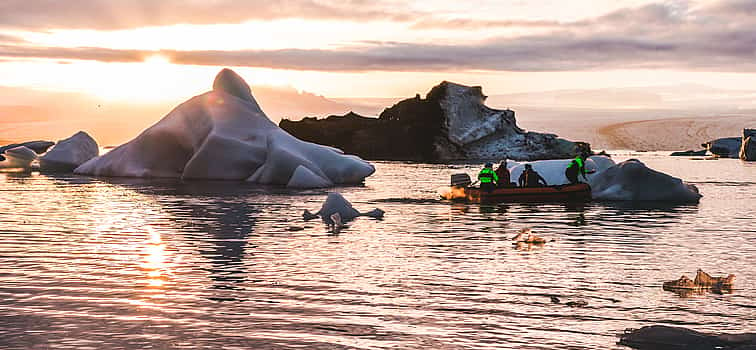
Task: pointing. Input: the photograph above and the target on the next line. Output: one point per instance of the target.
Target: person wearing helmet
(488, 178)
(531, 178)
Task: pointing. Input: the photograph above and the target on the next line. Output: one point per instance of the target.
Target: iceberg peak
(216, 137)
(231, 83)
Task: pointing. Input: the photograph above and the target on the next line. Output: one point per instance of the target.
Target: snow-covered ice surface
(19, 157)
(69, 153)
(224, 135)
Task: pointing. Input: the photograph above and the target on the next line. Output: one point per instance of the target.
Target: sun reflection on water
(154, 262)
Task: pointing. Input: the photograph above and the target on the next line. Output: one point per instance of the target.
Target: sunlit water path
(112, 263)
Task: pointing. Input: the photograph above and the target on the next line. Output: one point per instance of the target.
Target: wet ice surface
(97, 263)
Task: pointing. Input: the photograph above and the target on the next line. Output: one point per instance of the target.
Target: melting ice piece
(19, 157)
(224, 135)
(632, 180)
(69, 153)
(337, 204)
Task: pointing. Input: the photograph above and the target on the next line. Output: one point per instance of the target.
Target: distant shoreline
(673, 133)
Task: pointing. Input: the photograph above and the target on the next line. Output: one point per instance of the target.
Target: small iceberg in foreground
(224, 135)
(336, 204)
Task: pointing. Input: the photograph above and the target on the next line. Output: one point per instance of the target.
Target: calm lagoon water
(91, 263)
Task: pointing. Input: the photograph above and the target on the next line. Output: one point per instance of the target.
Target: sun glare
(157, 60)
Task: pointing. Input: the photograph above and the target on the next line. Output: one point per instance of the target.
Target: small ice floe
(526, 236)
(38, 147)
(703, 282)
(632, 180)
(336, 211)
(18, 158)
(571, 303)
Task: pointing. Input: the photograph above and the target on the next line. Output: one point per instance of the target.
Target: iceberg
(20, 157)
(224, 135)
(727, 147)
(632, 180)
(336, 204)
(38, 147)
(666, 337)
(69, 153)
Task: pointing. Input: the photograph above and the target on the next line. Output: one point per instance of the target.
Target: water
(96, 263)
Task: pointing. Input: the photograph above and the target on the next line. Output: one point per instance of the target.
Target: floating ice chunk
(224, 135)
(38, 147)
(336, 204)
(632, 180)
(69, 153)
(19, 157)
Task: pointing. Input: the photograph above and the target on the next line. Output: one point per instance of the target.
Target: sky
(163, 52)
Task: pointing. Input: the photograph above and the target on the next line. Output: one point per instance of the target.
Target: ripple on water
(119, 263)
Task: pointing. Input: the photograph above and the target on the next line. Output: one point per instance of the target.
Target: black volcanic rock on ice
(450, 123)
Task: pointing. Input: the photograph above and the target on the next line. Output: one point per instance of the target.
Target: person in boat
(575, 168)
(503, 173)
(531, 178)
(488, 178)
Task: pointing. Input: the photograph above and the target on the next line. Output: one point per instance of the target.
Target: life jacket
(531, 178)
(578, 162)
(487, 175)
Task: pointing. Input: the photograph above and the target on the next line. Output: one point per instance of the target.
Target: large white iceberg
(224, 135)
(69, 153)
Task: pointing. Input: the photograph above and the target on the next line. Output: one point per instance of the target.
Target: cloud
(716, 37)
(8, 39)
(475, 24)
(78, 53)
(111, 14)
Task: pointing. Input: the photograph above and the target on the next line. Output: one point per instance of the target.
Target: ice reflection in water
(117, 263)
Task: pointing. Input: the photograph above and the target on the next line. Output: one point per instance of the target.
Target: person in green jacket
(576, 167)
(488, 178)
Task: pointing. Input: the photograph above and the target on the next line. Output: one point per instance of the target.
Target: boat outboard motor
(460, 180)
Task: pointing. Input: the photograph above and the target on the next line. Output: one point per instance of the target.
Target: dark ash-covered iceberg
(659, 337)
(450, 123)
